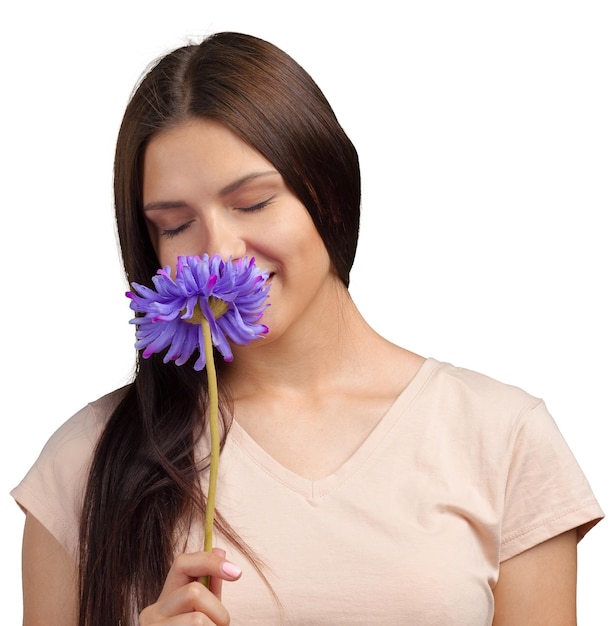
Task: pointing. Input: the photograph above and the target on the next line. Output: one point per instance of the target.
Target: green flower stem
(212, 388)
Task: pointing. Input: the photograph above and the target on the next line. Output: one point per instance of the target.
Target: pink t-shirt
(461, 473)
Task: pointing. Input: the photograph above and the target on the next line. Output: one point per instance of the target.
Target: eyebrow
(156, 206)
(225, 191)
(244, 180)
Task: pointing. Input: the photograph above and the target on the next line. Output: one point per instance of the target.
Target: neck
(303, 357)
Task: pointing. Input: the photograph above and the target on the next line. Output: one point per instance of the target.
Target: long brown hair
(144, 480)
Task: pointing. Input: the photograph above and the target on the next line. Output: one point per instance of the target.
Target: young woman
(359, 483)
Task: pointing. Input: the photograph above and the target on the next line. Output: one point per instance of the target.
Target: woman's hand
(184, 600)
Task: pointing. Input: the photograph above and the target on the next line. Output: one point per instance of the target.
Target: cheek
(165, 257)
(168, 249)
(311, 249)
(296, 237)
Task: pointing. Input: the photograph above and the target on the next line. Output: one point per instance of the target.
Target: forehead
(205, 142)
(199, 151)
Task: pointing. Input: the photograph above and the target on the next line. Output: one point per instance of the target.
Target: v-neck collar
(320, 487)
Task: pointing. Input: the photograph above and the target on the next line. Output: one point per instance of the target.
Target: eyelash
(256, 207)
(169, 234)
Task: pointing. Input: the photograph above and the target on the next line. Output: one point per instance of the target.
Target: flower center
(217, 306)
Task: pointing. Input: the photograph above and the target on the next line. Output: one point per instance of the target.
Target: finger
(215, 582)
(180, 606)
(192, 566)
(183, 593)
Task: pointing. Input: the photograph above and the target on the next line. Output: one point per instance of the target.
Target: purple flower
(229, 296)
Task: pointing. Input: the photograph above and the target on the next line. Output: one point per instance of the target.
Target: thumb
(215, 583)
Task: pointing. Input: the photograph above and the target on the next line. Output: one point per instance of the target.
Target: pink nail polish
(231, 570)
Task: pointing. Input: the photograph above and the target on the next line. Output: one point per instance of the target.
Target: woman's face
(207, 191)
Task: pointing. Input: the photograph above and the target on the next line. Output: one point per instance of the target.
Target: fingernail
(231, 569)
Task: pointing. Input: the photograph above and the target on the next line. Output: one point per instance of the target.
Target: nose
(221, 236)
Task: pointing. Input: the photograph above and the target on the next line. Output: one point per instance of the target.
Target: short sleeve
(53, 489)
(546, 491)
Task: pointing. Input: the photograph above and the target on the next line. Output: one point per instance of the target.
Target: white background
(486, 134)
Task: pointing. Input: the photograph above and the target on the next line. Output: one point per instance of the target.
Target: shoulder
(469, 422)
(474, 384)
(76, 438)
(483, 425)
(503, 443)
(53, 488)
(474, 397)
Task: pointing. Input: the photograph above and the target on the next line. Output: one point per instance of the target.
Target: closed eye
(255, 207)
(169, 234)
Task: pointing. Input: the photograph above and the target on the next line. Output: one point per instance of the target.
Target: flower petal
(165, 313)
